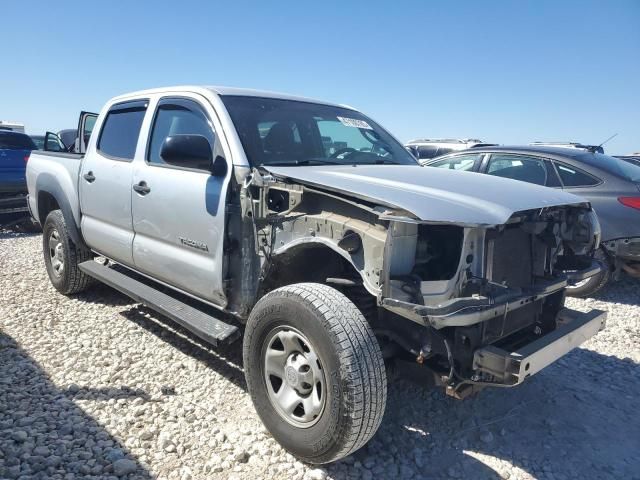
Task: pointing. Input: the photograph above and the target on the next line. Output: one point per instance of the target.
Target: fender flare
(47, 183)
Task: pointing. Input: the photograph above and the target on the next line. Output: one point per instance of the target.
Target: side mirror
(188, 151)
(219, 167)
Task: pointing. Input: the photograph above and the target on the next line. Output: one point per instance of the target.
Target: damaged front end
(485, 293)
(473, 305)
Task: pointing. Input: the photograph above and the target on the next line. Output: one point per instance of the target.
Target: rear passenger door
(526, 168)
(105, 182)
(179, 217)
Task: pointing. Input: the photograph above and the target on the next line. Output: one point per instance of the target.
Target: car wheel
(314, 371)
(62, 256)
(591, 285)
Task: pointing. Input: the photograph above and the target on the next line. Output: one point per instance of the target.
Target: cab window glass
(426, 152)
(572, 177)
(464, 163)
(121, 130)
(178, 117)
(518, 167)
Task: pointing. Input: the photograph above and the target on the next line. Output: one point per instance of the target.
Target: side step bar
(205, 326)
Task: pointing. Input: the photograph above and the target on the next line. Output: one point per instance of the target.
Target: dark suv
(611, 185)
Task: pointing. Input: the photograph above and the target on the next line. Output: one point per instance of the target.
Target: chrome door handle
(89, 177)
(142, 188)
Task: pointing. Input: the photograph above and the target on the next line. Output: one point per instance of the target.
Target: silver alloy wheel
(56, 253)
(294, 376)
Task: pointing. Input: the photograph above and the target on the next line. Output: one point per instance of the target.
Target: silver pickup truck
(323, 244)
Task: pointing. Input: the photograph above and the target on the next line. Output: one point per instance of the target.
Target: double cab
(308, 230)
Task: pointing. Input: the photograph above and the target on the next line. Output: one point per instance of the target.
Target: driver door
(179, 206)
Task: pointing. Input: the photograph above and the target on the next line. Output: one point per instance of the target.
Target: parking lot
(97, 386)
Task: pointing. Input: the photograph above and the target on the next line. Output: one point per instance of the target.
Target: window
(16, 141)
(121, 129)
(179, 116)
(89, 123)
(552, 177)
(464, 163)
(287, 132)
(426, 152)
(572, 177)
(518, 167)
(443, 151)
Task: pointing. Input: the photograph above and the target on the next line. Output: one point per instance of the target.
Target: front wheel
(314, 371)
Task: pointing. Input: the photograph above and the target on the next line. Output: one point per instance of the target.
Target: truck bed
(55, 168)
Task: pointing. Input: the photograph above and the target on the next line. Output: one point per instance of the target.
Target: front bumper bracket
(512, 368)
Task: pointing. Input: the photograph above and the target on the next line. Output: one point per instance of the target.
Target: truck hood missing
(432, 194)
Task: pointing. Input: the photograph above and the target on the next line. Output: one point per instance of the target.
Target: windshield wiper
(306, 161)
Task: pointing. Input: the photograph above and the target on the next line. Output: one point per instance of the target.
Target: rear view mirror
(187, 151)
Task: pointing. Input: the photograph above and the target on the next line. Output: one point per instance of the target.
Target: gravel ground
(98, 387)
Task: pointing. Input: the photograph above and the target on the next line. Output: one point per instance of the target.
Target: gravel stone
(124, 466)
(20, 436)
(96, 386)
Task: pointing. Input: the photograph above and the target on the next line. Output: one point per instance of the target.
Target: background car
(582, 146)
(611, 185)
(426, 148)
(15, 149)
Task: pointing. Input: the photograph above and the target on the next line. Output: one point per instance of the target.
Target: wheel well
(46, 204)
(307, 263)
(316, 263)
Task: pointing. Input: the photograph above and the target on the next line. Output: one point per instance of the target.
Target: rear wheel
(62, 256)
(314, 371)
(591, 285)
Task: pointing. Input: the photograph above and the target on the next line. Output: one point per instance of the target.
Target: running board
(208, 328)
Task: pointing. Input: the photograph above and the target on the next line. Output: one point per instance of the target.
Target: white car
(428, 148)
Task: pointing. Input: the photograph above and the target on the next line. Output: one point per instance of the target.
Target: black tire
(595, 283)
(70, 279)
(354, 370)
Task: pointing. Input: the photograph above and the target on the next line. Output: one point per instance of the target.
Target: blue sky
(506, 72)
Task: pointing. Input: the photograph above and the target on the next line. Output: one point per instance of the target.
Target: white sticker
(353, 122)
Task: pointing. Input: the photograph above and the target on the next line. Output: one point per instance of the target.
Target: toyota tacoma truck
(309, 231)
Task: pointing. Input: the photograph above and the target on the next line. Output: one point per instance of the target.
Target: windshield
(16, 141)
(288, 132)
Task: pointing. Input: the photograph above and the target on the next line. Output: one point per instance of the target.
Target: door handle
(89, 177)
(142, 188)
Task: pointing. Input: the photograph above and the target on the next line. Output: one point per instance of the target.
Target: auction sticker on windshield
(354, 122)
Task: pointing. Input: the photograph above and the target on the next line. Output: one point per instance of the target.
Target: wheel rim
(294, 377)
(56, 253)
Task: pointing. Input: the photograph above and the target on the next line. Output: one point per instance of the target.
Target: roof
(576, 153)
(221, 91)
(458, 141)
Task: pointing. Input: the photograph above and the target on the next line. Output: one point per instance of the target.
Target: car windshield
(287, 132)
(16, 141)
